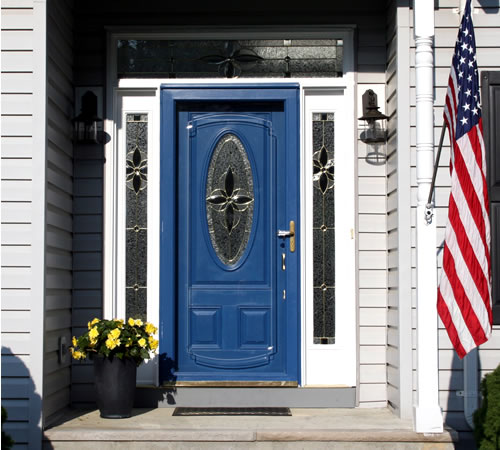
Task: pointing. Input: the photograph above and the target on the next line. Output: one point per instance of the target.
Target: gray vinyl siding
(393, 347)
(59, 207)
(372, 227)
(22, 216)
(371, 204)
(486, 23)
(398, 213)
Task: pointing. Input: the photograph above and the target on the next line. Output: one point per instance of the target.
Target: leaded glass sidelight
(136, 214)
(323, 228)
(229, 199)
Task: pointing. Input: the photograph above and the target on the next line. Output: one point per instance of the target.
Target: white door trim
(142, 95)
(334, 364)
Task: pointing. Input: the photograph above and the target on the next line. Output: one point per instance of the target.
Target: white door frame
(142, 96)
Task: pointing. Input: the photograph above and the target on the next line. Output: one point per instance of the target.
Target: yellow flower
(93, 333)
(73, 340)
(93, 342)
(115, 334)
(91, 324)
(138, 322)
(112, 343)
(153, 343)
(129, 343)
(78, 354)
(131, 322)
(150, 328)
(120, 323)
(142, 342)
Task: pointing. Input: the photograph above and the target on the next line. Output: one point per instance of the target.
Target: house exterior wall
(398, 214)
(23, 215)
(90, 70)
(486, 19)
(59, 207)
(372, 224)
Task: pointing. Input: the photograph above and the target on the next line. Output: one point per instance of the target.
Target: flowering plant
(109, 338)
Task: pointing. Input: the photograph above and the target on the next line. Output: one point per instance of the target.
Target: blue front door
(230, 167)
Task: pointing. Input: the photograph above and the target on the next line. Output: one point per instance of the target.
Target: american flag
(464, 293)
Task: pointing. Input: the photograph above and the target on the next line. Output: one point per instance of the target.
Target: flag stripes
(464, 293)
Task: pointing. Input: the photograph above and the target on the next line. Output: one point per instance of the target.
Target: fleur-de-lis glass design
(137, 170)
(229, 62)
(323, 170)
(231, 200)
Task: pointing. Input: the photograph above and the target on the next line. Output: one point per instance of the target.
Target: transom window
(217, 58)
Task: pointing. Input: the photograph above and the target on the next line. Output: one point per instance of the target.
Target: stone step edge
(235, 435)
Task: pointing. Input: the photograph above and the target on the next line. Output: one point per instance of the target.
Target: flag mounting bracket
(429, 207)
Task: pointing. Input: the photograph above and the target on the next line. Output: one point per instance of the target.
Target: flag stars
(466, 107)
(475, 111)
(464, 46)
(464, 121)
(462, 60)
(468, 93)
(469, 78)
(471, 63)
(460, 74)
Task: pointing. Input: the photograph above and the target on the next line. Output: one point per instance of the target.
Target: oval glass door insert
(229, 199)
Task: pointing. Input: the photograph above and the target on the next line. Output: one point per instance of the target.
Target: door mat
(232, 412)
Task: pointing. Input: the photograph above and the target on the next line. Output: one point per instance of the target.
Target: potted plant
(117, 348)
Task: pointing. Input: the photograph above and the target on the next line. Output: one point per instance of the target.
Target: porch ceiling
(230, 13)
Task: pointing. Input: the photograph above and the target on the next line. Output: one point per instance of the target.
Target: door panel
(232, 315)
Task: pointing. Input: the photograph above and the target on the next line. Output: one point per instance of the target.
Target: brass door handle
(289, 234)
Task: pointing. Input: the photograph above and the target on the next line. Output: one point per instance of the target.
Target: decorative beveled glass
(222, 58)
(323, 228)
(136, 181)
(229, 199)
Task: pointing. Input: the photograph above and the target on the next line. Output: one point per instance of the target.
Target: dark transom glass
(229, 199)
(324, 228)
(136, 215)
(218, 58)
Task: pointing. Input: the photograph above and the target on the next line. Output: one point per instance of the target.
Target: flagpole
(429, 206)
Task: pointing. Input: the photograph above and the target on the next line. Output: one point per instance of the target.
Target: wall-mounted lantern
(375, 122)
(88, 122)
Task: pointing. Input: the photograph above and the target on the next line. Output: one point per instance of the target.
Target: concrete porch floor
(306, 429)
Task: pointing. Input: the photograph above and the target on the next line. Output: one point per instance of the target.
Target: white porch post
(427, 413)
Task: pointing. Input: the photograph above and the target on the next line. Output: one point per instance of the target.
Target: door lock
(289, 234)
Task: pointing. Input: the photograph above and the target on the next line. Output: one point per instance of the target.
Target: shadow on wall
(455, 408)
(487, 6)
(21, 402)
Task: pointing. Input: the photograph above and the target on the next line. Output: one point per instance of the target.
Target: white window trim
(148, 90)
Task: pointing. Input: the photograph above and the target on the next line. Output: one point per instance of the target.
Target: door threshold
(239, 383)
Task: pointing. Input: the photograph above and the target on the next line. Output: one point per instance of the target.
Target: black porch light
(86, 123)
(375, 130)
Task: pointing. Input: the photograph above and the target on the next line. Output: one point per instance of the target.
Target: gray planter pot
(115, 381)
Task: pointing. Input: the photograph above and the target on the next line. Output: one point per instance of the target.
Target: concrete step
(305, 429)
